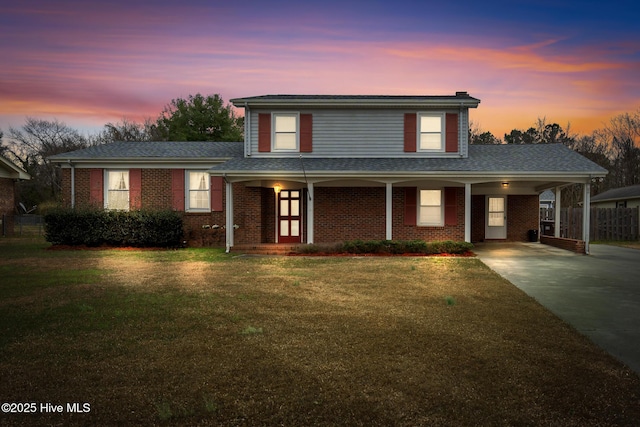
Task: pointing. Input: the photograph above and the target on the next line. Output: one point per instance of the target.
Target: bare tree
(623, 134)
(478, 136)
(31, 145)
(125, 130)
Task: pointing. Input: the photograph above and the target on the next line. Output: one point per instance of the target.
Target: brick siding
(523, 214)
(348, 213)
(573, 245)
(341, 213)
(412, 232)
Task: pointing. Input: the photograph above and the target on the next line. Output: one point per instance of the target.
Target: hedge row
(393, 247)
(113, 228)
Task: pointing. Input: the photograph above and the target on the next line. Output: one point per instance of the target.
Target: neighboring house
(624, 197)
(547, 199)
(9, 175)
(323, 169)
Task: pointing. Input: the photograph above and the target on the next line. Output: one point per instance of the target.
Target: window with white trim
(285, 132)
(431, 132)
(117, 190)
(430, 208)
(198, 191)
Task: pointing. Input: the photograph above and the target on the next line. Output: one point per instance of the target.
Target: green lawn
(200, 337)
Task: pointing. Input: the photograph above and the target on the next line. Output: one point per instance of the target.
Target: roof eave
(350, 103)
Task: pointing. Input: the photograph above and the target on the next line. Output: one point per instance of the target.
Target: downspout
(247, 130)
(73, 184)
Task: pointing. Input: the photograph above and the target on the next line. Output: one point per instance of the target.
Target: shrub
(403, 247)
(93, 227)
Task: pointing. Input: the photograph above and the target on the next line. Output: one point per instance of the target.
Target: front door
(496, 217)
(289, 218)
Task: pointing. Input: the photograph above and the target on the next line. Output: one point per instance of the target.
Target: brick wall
(341, 213)
(348, 213)
(411, 232)
(154, 185)
(572, 245)
(477, 218)
(523, 214)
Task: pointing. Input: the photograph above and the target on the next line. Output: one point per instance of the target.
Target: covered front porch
(307, 210)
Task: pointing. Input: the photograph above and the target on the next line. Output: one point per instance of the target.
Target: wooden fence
(606, 223)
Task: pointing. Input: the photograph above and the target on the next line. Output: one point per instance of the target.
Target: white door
(496, 217)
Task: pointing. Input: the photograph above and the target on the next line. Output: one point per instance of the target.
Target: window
(496, 212)
(198, 188)
(430, 134)
(117, 190)
(285, 132)
(430, 208)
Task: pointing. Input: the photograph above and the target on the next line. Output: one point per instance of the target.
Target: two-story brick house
(322, 169)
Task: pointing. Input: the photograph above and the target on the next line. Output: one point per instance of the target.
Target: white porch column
(310, 213)
(556, 212)
(586, 215)
(229, 216)
(389, 212)
(467, 212)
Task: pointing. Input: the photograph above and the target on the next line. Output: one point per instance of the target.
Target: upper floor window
(117, 191)
(285, 132)
(430, 132)
(430, 208)
(198, 189)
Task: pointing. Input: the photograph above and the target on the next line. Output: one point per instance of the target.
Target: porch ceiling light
(505, 185)
(277, 188)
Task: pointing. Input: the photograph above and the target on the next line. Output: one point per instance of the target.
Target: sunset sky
(87, 63)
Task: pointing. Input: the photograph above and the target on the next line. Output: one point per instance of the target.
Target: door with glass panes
(289, 216)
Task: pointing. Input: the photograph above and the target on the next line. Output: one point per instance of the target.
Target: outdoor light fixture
(505, 185)
(277, 188)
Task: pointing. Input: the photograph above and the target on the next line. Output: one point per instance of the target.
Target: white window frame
(188, 190)
(421, 204)
(107, 173)
(274, 132)
(420, 132)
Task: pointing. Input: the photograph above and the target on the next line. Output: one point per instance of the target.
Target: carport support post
(310, 213)
(388, 211)
(229, 217)
(467, 212)
(586, 215)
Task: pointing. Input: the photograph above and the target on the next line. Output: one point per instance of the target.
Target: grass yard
(199, 337)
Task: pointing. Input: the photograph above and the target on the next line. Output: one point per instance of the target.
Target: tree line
(615, 147)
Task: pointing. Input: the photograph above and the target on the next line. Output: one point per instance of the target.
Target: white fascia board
(335, 103)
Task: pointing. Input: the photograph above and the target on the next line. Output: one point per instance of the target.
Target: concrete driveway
(598, 294)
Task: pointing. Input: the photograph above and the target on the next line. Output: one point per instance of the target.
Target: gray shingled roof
(166, 150)
(539, 158)
(630, 192)
(460, 98)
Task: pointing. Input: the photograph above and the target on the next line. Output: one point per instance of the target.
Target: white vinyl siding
(116, 190)
(354, 133)
(198, 190)
(430, 208)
